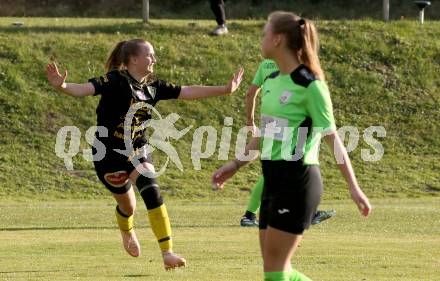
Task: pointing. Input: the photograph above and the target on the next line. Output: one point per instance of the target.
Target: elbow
(185, 93)
(252, 92)
(330, 138)
(250, 95)
(248, 98)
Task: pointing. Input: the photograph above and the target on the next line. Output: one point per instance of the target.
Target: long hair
(122, 52)
(301, 37)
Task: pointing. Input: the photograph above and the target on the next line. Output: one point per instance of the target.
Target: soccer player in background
(218, 9)
(249, 218)
(296, 100)
(129, 82)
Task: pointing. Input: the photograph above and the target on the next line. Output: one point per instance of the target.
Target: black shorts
(291, 195)
(114, 170)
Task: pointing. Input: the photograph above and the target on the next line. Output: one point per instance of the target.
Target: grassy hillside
(379, 75)
(200, 9)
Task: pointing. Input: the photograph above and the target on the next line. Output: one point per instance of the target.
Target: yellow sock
(160, 224)
(125, 223)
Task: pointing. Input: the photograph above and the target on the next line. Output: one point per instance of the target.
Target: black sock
(250, 215)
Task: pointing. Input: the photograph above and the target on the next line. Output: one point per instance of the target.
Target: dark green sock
(276, 276)
(255, 199)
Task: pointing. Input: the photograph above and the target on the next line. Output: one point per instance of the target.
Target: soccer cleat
(131, 243)
(247, 222)
(219, 30)
(321, 216)
(172, 260)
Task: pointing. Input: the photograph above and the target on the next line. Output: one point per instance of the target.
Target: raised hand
(54, 77)
(235, 81)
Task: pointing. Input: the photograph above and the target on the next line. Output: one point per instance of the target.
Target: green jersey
(296, 110)
(265, 68)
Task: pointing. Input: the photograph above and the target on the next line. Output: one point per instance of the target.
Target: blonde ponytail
(308, 53)
(114, 61)
(122, 52)
(301, 37)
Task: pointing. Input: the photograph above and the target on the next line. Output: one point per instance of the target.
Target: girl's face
(269, 41)
(145, 60)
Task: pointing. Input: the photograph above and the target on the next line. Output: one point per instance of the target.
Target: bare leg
(278, 248)
(127, 205)
(262, 236)
(126, 202)
(159, 222)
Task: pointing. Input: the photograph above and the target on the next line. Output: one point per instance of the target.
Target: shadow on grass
(100, 28)
(138, 275)
(133, 27)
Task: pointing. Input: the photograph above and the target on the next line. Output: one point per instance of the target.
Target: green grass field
(58, 225)
(78, 240)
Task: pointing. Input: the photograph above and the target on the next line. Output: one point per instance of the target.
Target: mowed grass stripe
(400, 241)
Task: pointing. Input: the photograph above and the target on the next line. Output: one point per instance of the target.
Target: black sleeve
(167, 91)
(105, 84)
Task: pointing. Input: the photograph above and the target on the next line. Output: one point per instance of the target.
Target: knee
(149, 191)
(128, 208)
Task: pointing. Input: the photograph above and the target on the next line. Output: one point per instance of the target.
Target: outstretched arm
(344, 165)
(58, 81)
(229, 169)
(200, 92)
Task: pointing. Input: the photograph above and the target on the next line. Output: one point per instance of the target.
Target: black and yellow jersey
(119, 91)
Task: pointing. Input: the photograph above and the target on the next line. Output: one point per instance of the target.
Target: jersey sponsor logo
(283, 211)
(285, 96)
(117, 179)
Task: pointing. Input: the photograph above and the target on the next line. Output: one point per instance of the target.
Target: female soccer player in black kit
(129, 83)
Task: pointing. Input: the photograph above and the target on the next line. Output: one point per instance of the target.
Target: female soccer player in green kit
(128, 83)
(249, 218)
(296, 113)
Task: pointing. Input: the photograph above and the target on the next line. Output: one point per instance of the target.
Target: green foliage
(379, 75)
(200, 9)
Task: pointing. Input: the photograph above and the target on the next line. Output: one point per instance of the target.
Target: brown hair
(122, 53)
(301, 37)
